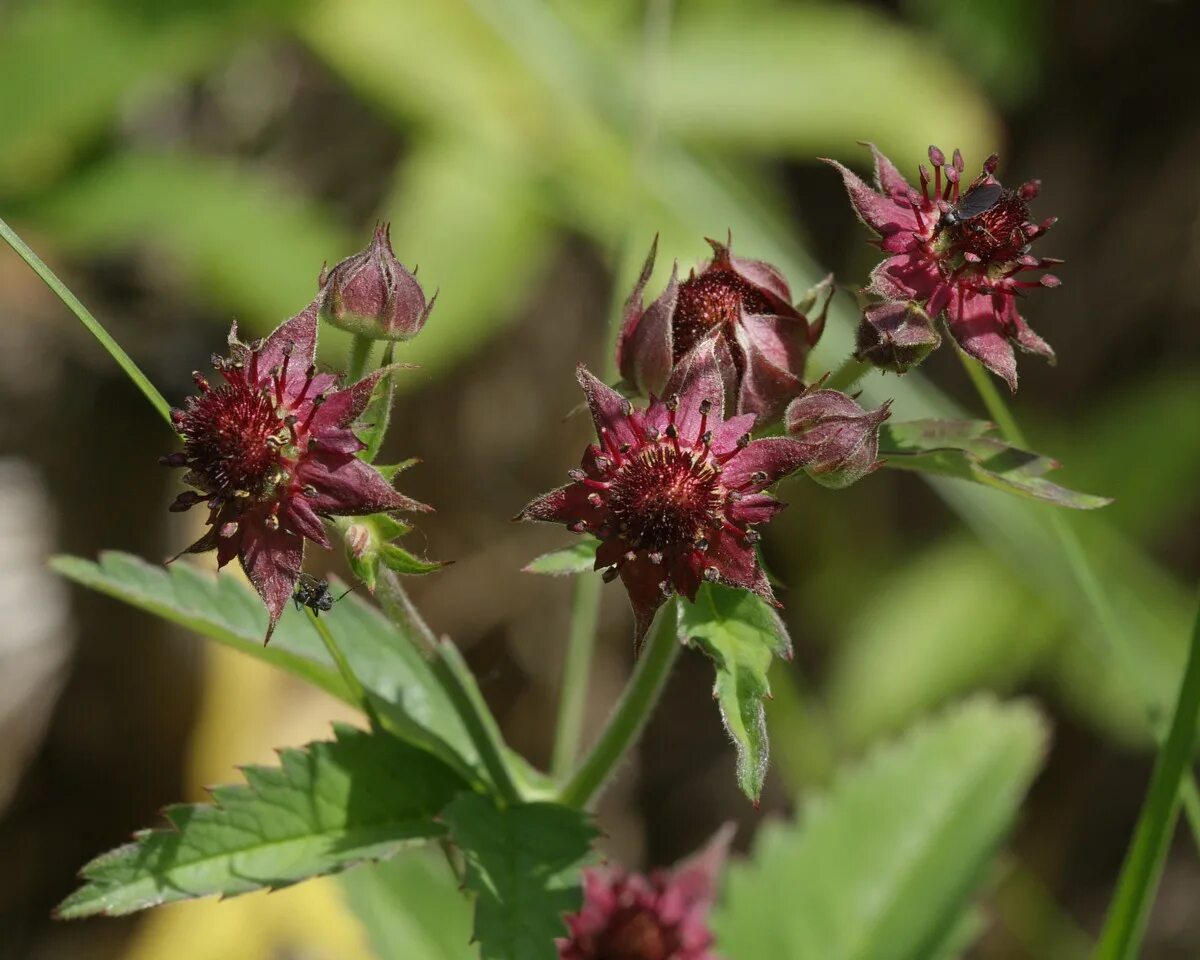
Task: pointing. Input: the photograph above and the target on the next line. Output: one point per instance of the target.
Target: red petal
(774, 349)
(881, 213)
(889, 179)
(754, 509)
(301, 333)
(348, 487)
(303, 519)
(980, 332)
(695, 379)
(561, 505)
(642, 579)
(905, 277)
(607, 406)
(737, 566)
(774, 456)
(646, 343)
(272, 560)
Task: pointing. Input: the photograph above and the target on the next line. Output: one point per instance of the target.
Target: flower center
(636, 934)
(664, 498)
(234, 440)
(710, 300)
(995, 236)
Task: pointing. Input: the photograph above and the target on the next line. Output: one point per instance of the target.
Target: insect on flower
(315, 594)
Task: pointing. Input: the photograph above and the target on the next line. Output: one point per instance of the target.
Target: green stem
(360, 357)
(382, 411)
(456, 679)
(632, 711)
(1086, 577)
(1122, 935)
(572, 703)
(94, 327)
(848, 374)
(357, 691)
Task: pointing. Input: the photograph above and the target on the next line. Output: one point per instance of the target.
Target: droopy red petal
(642, 578)
(272, 561)
(608, 407)
(979, 332)
(565, 504)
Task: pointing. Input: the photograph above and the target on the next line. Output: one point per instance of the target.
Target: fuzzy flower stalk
(659, 916)
(956, 250)
(674, 491)
(745, 307)
(270, 450)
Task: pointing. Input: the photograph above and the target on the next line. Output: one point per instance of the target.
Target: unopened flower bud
(895, 336)
(843, 437)
(373, 294)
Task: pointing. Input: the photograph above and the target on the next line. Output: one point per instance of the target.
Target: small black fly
(314, 594)
(974, 203)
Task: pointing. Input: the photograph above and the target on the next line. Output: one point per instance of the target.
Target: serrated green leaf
(359, 797)
(411, 908)
(885, 865)
(225, 609)
(742, 634)
(523, 865)
(579, 557)
(967, 450)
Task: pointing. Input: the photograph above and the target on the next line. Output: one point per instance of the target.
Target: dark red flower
(660, 916)
(956, 250)
(673, 490)
(371, 293)
(271, 451)
(745, 306)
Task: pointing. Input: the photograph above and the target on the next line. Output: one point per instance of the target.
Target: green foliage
(883, 868)
(411, 908)
(386, 663)
(359, 797)
(966, 450)
(579, 557)
(953, 620)
(523, 864)
(741, 633)
(370, 545)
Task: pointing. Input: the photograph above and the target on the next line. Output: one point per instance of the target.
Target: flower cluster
(660, 916)
(761, 341)
(952, 249)
(271, 451)
(673, 490)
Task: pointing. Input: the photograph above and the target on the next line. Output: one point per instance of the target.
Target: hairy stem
(360, 357)
(456, 679)
(94, 327)
(353, 684)
(1089, 581)
(632, 711)
(1123, 930)
(581, 641)
(848, 374)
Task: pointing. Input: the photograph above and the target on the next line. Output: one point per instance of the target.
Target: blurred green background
(182, 163)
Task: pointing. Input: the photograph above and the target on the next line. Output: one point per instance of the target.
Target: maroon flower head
(660, 916)
(673, 491)
(745, 307)
(271, 451)
(371, 293)
(957, 249)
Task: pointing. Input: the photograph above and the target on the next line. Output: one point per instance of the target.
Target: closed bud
(895, 336)
(843, 437)
(372, 293)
